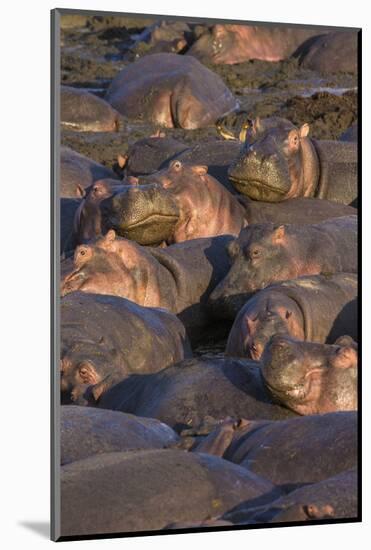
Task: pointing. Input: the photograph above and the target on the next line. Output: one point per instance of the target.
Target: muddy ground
(93, 52)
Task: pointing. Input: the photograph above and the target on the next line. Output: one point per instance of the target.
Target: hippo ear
(122, 160)
(233, 248)
(304, 130)
(80, 191)
(219, 31)
(110, 236)
(200, 170)
(256, 124)
(346, 357)
(278, 233)
(87, 373)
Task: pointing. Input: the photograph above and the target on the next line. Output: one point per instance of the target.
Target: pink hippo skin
(171, 90)
(229, 44)
(206, 208)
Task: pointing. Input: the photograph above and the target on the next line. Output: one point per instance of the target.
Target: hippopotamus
(77, 173)
(317, 308)
(332, 498)
(88, 431)
(87, 222)
(170, 90)
(166, 36)
(330, 53)
(184, 394)
(290, 453)
(146, 490)
(311, 378)
(230, 44)
(86, 112)
(68, 210)
(351, 134)
(178, 278)
(301, 210)
(266, 253)
(278, 161)
(205, 207)
(97, 337)
(149, 155)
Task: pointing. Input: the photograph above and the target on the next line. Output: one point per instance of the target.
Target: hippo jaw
(141, 231)
(146, 214)
(258, 190)
(301, 396)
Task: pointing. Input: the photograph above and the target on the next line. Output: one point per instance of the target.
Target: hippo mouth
(152, 219)
(257, 189)
(149, 231)
(302, 391)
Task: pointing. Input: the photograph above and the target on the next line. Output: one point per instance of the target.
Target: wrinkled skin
(86, 112)
(147, 490)
(147, 214)
(206, 208)
(97, 351)
(88, 431)
(311, 378)
(183, 395)
(335, 497)
(317, 308)
(78, 173)
(178, 278)
(332, 53)
(172, 91)
(290, 453)
(278, 161)
(266, 253)
(229, 44)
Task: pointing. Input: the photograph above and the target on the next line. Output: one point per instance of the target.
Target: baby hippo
(311, 378)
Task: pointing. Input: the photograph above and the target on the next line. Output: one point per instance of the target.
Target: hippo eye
(177, 165)
(82, 252)
(255, 253)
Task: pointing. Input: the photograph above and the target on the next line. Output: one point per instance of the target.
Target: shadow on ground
(41, 528)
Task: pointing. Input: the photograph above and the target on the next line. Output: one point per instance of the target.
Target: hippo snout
(146, 214)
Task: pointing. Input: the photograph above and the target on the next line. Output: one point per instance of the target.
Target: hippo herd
(208, 311)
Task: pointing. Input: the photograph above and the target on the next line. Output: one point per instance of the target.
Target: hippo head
(260, 256)
(88, 220)
(217, 46)
(146, 214)
(178, 175)
(98, 271)
(257, 323)
(276, 162)
(86, 373)
(303, 374)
